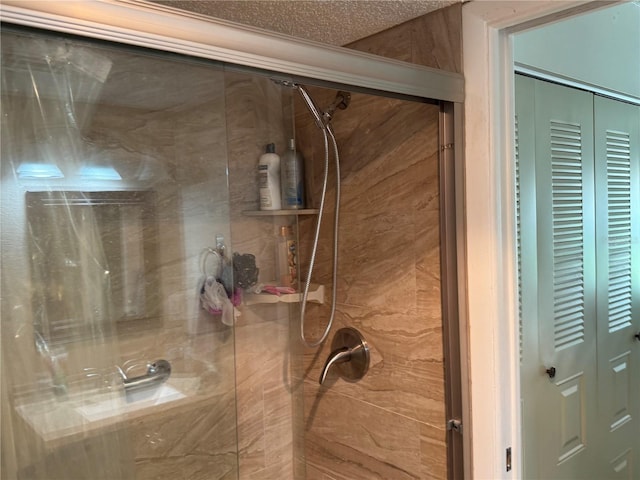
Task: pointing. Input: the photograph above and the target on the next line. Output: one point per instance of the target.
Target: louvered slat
(568, 249)
(518, 243)
(619, 229)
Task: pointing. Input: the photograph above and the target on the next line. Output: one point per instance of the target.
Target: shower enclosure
(135, 342)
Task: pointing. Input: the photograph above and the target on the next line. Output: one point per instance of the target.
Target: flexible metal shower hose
(327, 132)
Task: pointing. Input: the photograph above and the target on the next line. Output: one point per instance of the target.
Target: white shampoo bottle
(269, 179)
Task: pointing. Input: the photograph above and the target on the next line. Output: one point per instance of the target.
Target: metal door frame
(453, 282)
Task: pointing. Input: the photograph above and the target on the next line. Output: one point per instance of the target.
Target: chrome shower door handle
(350, 352)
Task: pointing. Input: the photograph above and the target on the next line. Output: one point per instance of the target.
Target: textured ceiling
(336, 22)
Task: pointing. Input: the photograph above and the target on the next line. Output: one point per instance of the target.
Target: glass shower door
(117, 322)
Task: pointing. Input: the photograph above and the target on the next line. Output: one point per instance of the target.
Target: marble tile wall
(252, 112)
(260, 112)
(390, 424)
(433, 40)
(197, 440)
(388, 287)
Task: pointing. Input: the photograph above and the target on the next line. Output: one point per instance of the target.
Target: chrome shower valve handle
(337, 356)
(350, 352)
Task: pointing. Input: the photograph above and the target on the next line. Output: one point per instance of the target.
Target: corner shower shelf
(280, 213)
(316, 295)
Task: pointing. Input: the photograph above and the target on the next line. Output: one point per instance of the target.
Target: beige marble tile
(349, 438)
(251, 446)
(190, 467)
(273, 472)
(101, 458)
(314, 473)
(433, 452)
(433, 40)
(206, 429)
(162, 85)
(389, 270)
(437, 39)
(408, 377)
(377, 262)
(250, 411)
(395, 42)
(300, 471)
(380, 131)
(264, 395)
(259, 112)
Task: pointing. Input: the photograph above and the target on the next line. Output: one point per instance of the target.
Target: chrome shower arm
(342, 101)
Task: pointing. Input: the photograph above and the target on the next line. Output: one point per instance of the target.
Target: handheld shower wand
(322, 121)
(327, 132)
(311, 105)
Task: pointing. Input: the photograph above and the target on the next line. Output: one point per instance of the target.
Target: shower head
(322, 119)
(315, 112)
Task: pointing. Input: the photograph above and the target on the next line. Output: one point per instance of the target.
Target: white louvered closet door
(531, 379)
(578, 188)
(566, 404)
(617, 163)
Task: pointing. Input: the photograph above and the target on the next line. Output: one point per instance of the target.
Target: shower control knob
(350, 354)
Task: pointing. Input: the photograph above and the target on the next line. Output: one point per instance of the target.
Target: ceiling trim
(144, 24)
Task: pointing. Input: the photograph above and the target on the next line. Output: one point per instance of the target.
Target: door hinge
(508, 459)
(455, 425)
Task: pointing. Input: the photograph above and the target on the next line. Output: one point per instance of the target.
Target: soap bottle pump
(269, 179)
